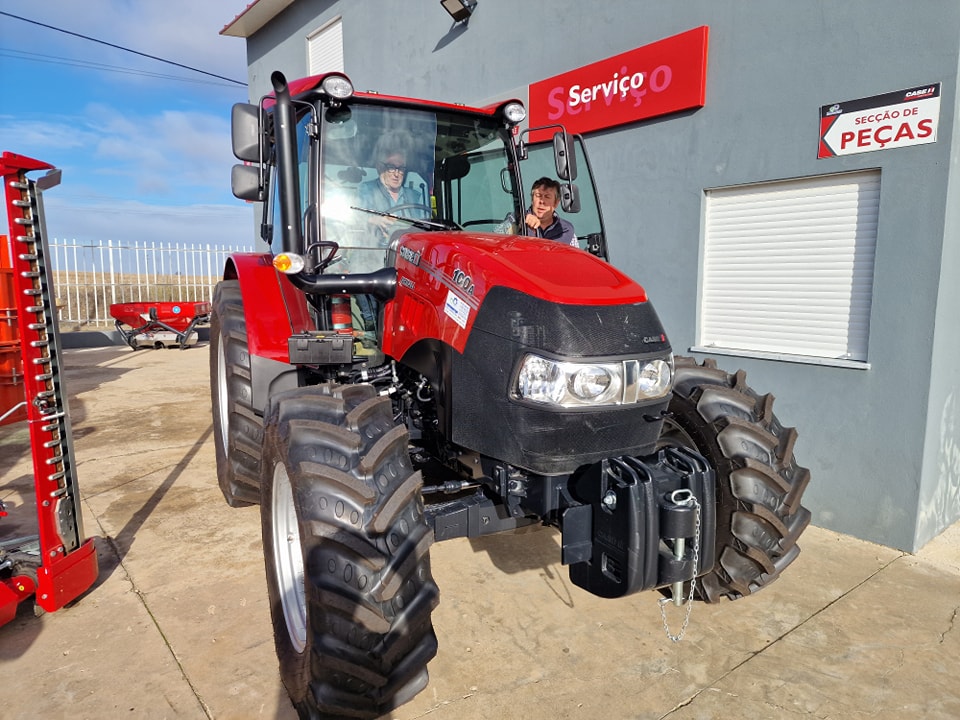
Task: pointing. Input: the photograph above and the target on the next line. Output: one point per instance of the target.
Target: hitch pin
(684, 498)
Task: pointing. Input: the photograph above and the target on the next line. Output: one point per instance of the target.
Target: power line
(120, 47)
(72, 62)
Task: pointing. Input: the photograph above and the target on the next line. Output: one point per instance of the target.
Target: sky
(144, 146)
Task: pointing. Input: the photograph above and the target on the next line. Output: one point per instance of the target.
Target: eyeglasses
(390, 168)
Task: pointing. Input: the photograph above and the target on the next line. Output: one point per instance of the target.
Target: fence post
(180, 278)
(76, 281)
(113, 277)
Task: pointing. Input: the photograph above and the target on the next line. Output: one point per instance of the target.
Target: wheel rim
(288, 559)
(222, 409)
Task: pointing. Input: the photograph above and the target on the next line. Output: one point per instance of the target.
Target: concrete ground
(177, 625)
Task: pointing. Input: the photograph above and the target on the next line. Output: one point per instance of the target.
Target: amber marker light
(289, 263)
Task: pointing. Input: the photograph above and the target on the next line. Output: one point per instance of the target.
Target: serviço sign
(895, 119)
(663, 77)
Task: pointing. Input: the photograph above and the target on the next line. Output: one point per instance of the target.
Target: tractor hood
(543, 268)
(443, 279)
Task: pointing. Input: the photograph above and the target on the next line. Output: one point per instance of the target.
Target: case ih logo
(925, 92)
(411, 256)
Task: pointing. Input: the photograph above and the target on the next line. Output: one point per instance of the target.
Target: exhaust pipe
(285, 132)
(382, 284)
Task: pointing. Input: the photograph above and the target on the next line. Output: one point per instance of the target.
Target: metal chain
(693, 583)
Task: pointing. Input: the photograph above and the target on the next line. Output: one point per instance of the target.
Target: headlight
(514, 113)
(337, 86)
(570, 384)
(654, 378)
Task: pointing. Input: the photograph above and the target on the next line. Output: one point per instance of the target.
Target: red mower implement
(57, 564)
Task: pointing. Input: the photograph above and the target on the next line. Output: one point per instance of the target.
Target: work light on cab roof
(337, 86)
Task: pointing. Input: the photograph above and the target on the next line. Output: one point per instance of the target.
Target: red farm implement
(57, 564)
(159, 324)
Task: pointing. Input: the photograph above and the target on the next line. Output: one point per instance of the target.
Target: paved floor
(177, 625)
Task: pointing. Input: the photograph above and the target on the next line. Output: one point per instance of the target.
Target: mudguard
(272, 307)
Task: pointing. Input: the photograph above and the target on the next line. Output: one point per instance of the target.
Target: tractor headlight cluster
(591, 384)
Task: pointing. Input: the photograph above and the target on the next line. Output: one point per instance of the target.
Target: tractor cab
(369, 165)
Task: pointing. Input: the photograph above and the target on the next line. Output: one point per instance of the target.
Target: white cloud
(129, 222)
(55, 134)
(170, 153)
(183, 31)
(154, 169)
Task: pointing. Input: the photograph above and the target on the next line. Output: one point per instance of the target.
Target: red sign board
(657, 79)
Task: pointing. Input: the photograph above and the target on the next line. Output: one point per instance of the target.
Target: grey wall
(940, 490)
(883, 444)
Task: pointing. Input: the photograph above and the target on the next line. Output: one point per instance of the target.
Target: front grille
(547, 441)
(571, 330)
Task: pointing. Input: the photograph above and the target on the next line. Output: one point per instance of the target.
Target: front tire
(237, 429)
(759, 484)
(346, 546)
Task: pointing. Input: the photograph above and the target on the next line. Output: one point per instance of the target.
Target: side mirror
(564, 157)
(245, 132)
(245, 183)
(570, 198)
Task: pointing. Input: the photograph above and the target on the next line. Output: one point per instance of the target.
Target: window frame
(784, 253)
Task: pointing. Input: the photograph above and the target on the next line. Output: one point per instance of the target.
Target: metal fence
(90, 277)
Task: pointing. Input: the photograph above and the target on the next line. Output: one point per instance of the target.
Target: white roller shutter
(788, 267)
(325, 48)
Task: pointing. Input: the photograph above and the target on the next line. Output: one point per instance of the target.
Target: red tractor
(405, 365)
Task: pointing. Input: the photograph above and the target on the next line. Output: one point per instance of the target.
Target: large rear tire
(346, 546)
(237, 429)
(759, 484)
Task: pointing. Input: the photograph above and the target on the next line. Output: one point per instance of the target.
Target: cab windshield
(429, 166)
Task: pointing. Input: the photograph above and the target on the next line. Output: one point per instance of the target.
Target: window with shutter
(325, 48)
(788, 268)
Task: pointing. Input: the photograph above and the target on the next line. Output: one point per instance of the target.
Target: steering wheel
(411, 206)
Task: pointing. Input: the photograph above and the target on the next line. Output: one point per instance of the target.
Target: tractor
(384, 376)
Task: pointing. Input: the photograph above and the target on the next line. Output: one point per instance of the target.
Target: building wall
(940, 489)
(883, 443)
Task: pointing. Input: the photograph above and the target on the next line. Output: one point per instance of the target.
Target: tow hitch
(652, 524)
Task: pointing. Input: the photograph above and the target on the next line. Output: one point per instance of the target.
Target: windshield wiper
(421, 223)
